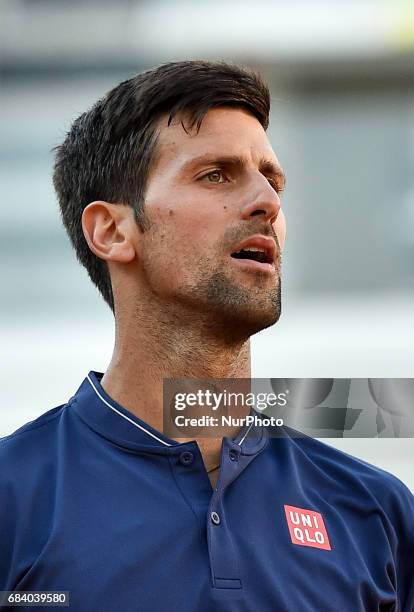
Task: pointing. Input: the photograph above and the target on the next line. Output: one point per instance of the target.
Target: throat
(213, 477)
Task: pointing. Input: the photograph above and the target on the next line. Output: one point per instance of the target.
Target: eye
(213, 175)
(276, 185)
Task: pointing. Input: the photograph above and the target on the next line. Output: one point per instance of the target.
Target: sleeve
(404, 562)
(8, 515)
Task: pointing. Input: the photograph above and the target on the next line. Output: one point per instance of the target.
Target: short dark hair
(107, 153)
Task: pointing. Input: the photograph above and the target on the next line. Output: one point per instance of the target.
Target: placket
(209, 507)
(225, 571)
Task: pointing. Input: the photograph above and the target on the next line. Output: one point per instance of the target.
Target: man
(170, 192)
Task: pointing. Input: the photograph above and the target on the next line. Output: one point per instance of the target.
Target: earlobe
(106, 230)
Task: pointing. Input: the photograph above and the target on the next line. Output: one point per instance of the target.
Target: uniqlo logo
(306, 528)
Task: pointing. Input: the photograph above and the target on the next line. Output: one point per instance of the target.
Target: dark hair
(107, 153)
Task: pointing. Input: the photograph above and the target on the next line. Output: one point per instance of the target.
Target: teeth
(254, 249)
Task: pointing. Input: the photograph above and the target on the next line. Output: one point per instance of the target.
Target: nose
(264, 202)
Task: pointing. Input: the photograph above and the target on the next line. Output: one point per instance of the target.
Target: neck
(149, 349)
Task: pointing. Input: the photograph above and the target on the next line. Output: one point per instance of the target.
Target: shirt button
(186, 458)
(215, 518)
(232, 455)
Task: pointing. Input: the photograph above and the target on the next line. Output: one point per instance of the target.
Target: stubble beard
(236, 311)
(220, 303)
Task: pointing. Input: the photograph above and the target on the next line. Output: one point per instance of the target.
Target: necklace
(213, 468)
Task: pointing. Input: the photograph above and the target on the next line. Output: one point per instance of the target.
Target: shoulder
(28, 459)
(355, 476)
(28, 445)
(382, 503)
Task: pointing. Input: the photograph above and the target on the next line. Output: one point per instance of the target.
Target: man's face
(214, 222)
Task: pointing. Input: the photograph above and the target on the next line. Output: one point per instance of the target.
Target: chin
(240, 321)
(235, 310)
(257, 321)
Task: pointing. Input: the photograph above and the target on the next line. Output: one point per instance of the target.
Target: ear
(280, 228)
(109, 230)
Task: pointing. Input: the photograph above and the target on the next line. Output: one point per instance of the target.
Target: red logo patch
(306, 528)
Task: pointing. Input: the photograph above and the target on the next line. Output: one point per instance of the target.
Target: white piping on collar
(124, 415)
(243, 438)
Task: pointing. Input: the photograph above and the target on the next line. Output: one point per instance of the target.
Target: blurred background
(342, 124)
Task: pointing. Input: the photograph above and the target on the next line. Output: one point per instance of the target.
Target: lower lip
(255, 266)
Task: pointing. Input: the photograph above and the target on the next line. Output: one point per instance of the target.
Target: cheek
(280, 229)
(172, 245)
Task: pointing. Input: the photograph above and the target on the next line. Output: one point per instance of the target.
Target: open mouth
(253, 253)
(257, 252)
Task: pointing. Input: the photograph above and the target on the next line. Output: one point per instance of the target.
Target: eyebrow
(266, 166)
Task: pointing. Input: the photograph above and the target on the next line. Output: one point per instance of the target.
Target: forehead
(224, 131)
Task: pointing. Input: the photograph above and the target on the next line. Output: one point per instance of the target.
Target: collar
(117, 424)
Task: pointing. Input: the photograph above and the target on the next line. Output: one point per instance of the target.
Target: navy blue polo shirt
(96, 502)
